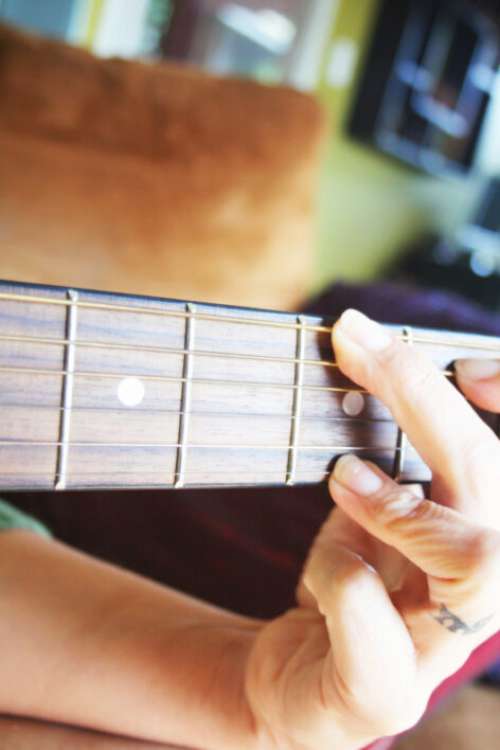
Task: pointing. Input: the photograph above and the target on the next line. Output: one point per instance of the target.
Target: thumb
(368, 638)
(440, 541)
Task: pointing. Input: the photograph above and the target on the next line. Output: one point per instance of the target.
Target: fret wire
(402, 438)
(187, 372)
(172, 379)
(418, 339)
(230, 446)
(297, 404)
(67, 392)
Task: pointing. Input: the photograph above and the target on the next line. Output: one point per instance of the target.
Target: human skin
(395, 594)
(26, 734)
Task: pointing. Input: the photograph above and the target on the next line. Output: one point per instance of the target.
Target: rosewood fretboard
(103, 390)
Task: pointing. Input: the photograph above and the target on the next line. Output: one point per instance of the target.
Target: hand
(397, 590)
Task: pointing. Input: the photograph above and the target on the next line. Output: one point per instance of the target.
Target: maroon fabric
(482, 657)
(239, 548)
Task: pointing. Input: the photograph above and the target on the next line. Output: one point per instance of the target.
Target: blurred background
(253, 152)
(409, 164)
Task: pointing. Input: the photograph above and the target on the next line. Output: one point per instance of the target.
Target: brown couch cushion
(153, 178)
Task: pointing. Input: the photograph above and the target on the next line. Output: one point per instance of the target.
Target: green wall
(371, 206)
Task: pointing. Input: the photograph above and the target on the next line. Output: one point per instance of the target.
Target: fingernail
(355, 475)
(364, 331)
(477, 369)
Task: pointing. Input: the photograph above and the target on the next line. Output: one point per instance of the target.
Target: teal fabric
(12, 518)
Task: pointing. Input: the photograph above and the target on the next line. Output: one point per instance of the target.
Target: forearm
(26, 734)
(89, 644)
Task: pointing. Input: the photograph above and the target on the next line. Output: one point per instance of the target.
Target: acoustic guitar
(102, 390)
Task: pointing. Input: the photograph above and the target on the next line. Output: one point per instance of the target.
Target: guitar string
(229, 446)
(162, 472)
(14, 297)
(166, 350)
(29, 298)
(178, 380)
(171, 350)
(285, 447)
(221, 318)
(177, 413)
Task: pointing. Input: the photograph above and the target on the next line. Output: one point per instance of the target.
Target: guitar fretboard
(101, 390)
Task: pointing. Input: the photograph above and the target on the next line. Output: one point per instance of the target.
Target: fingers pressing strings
(456, 554)
(461, 451)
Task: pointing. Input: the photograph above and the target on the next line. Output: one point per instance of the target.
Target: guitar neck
(110, 391)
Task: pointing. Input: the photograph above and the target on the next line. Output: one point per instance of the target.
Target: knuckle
(404, 370)
(477, 584)
(420, 379)
(350, 579)
(400, 506)
(483, 555)
(336, 576)
(393, 360)
(408, 366)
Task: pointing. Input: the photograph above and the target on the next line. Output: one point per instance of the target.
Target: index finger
(459, 448)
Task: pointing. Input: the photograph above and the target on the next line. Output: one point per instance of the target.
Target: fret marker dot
(130, 391)
(353, 403)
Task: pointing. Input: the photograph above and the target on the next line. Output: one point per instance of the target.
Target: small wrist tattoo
(454, 624)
